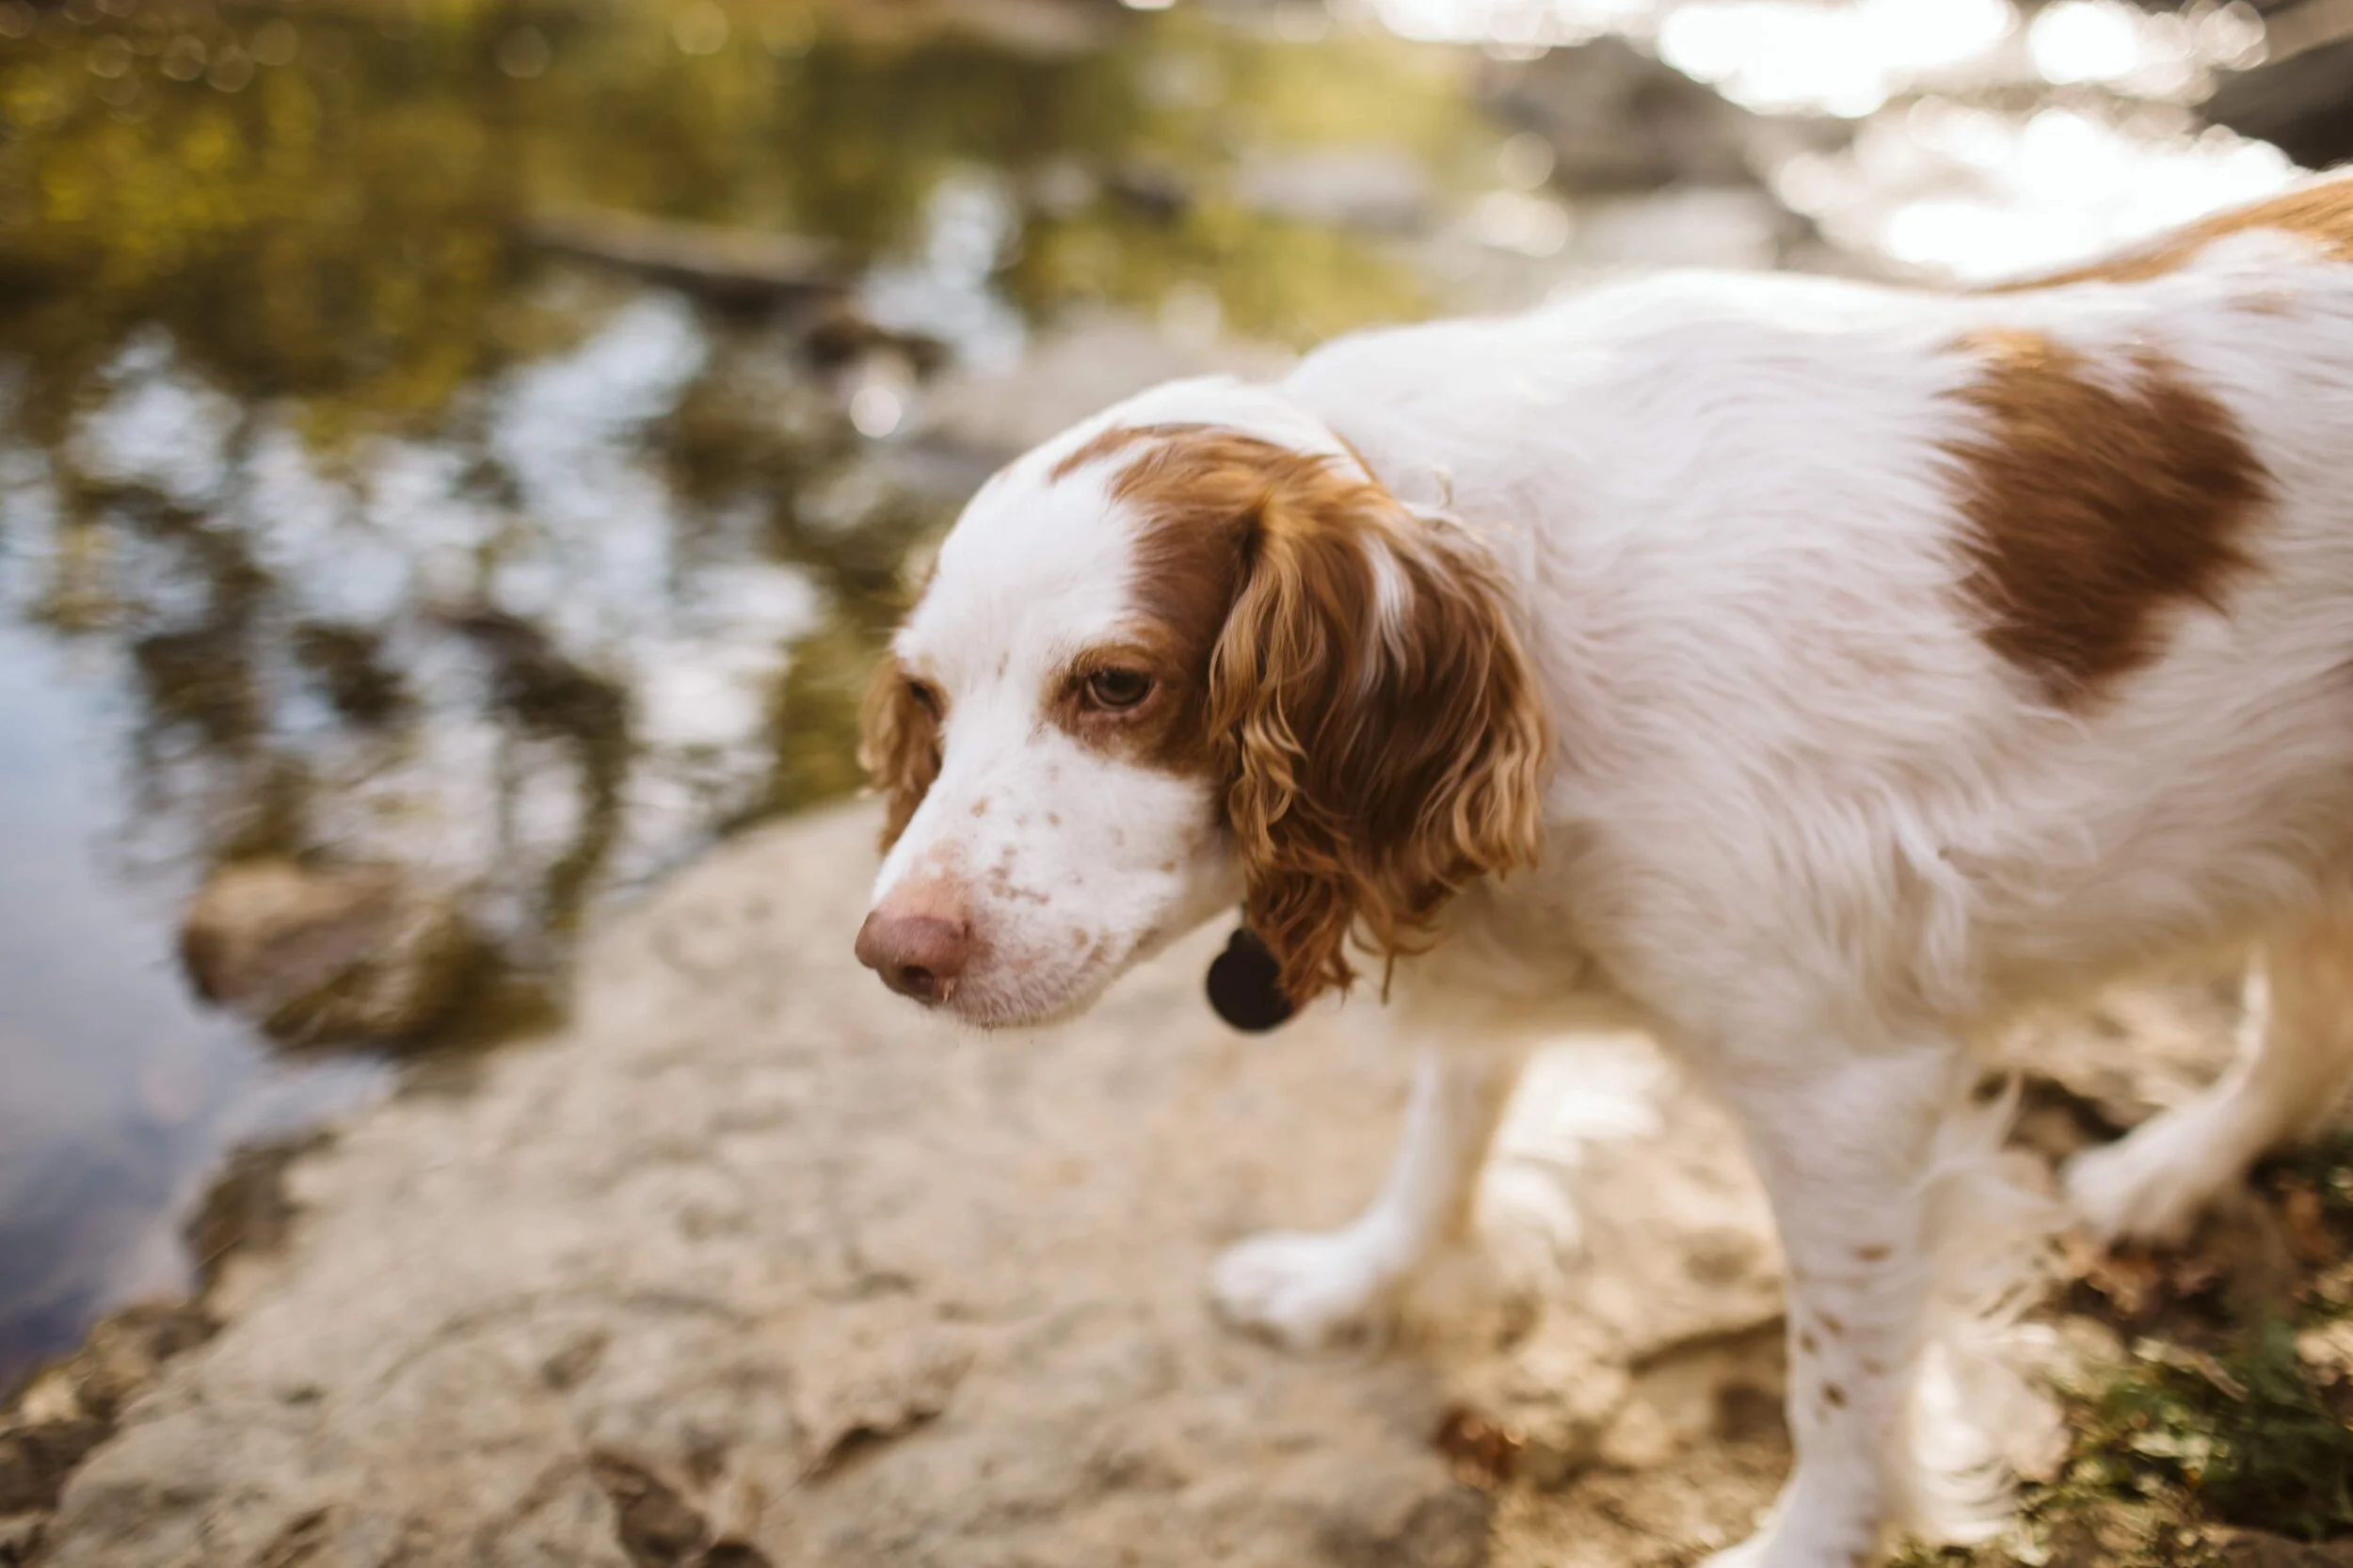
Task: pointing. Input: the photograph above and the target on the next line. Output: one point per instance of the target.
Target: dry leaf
(1481, 1453)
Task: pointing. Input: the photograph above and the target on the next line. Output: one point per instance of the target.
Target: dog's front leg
(1843, 1148)
(1310, 1288)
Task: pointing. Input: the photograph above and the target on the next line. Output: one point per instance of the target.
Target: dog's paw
(2153, 1184)
(1305, 1291)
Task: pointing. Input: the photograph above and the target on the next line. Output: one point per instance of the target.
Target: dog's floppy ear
(898, 745)
(1378, 726)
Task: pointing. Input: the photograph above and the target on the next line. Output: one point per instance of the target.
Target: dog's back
(2012, 630)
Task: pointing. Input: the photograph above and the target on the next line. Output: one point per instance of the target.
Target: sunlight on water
(158, 429)
(1978, 195)
(948, 288)
(2081, 41)
(1932, 182)
(2145, 54)
(1843, 59)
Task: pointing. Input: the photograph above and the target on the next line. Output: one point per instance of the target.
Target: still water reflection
(350, 531)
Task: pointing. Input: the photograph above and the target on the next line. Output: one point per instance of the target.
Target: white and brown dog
(1808, 671)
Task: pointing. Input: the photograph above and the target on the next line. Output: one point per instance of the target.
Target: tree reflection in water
(344, 529)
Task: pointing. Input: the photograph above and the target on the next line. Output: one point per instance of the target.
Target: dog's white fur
(1802, 823)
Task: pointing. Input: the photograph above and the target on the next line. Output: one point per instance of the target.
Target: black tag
(1244, 986)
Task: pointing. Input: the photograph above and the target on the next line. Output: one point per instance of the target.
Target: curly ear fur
(1375, 719)
(898, 745)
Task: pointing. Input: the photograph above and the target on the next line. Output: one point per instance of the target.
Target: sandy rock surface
(755, 1263)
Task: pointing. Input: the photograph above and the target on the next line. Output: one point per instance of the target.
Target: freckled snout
(919, 940)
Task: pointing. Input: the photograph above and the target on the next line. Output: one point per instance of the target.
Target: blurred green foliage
(323, 210)
(324, 203)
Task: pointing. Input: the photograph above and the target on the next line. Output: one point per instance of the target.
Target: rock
(656, 1524)
(1620, 120)
(262, 932)
(118, 1359)
(1379, 189)
(1406, 1521)
(245, 1209)
(2255, 1549)
(325, 953)
(872, 1376)
(1682, 1401)
(2138, 1048)
(20, 1536)
(2302, 104)
(1652, 1155)
(36, 1456)
(67, 1409)
(1553, 1396)
(756, 1264)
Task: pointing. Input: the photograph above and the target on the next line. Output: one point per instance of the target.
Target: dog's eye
(927, 697)
(1116, 691)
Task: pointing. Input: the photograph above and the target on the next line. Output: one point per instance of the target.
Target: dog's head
(1187, 655)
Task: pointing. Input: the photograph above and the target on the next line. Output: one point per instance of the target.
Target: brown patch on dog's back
(2322, 211)
(2095, 502)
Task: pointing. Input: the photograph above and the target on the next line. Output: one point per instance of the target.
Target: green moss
(2175, 1451)
(2250, 1439)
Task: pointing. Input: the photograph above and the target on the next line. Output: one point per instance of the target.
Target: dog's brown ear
(1381, 735)
(898, 745)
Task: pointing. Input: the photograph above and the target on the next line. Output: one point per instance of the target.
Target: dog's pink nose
(919, 946)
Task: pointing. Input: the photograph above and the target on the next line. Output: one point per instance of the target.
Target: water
(348, 524)
(342, 524)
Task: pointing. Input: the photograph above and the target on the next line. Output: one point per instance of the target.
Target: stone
(2300, 102)
(1553, 1395)
(35, 1457)
(2255, 1549)
(754, 1263)
(316, 953)
(1619, 119)
(20, 1536)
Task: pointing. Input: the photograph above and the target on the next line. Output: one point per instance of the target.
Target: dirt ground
(754, 1264)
